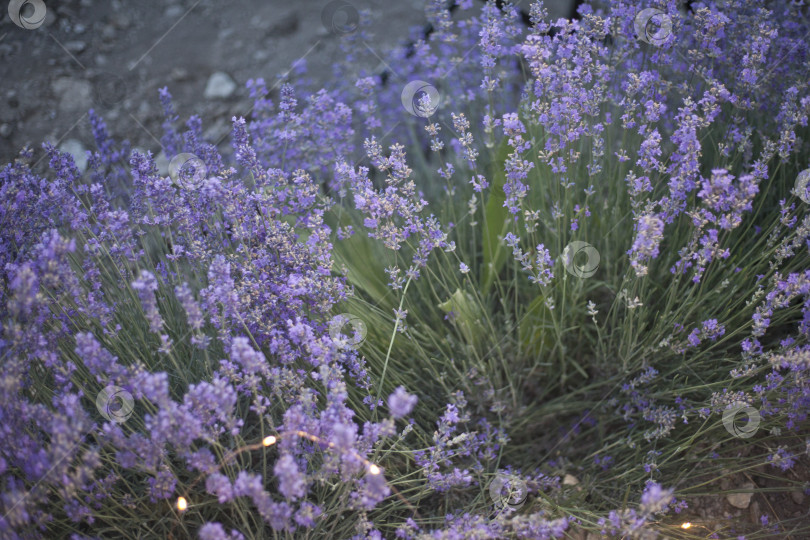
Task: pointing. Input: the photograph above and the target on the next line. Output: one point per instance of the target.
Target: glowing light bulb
(182, 504)
(269, 440)
(686, 525)
(373, 469)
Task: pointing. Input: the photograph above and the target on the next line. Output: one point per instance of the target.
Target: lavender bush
(534, 298)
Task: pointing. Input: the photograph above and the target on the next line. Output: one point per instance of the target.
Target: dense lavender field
(520, 277)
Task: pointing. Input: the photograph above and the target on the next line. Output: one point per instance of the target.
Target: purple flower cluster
(636, 523)
(64, 311)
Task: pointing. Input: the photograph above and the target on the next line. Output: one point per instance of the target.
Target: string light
(270, 440)
(686, 525)
(372, 468)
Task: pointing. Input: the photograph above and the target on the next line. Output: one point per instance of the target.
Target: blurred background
(114, 55)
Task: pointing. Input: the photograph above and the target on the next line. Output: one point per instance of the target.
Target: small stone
(219, 85)
(570, 480)
(173, 12)
(121, 20)
(754, 513)
(743, 499)
(75, 46)
(75, 148)
(179, 74)
(73, 94)
(5, 130)
(108, 32)
(797, 496)
(283, 26)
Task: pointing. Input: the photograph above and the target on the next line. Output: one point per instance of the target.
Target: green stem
(391, 342)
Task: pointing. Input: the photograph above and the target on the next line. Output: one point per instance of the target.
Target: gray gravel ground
(114, 55)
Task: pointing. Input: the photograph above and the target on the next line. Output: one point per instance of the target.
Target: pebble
(75, 148)
(797, 496)
(75, 46)
(219, 85)
(121, 20)
(283, 26)
(5, 130)
(570, 480)
(173, 12)
(74, 94)
(743, 499)
(179, 74)
(108, 32)
(754, 512)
